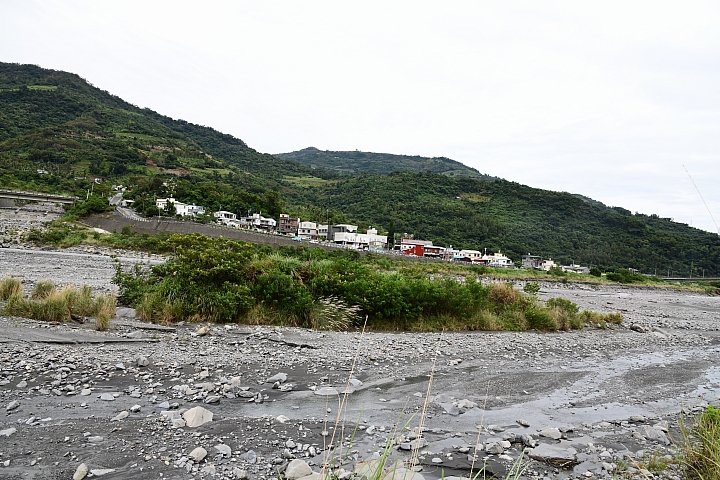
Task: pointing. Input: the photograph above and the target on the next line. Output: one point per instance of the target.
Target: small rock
(12, 405)
(202, 331)
(7, 432)
(22, 384)
(98, 472)
(142, 361)
(85, 392)
(135, 408)
(224, 450)
(327, 391)
(281, 419)
(213, 399)
(80, 472)
(198, 454)
(120, 416)
(240, 474)
(108, 397)
(550, 432)
(297, 469)
(523, 423)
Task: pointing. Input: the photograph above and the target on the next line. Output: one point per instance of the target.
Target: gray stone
(224, 450)
(95, 439)
(652, 433)
(85, 392)
(178, 422)
(7, 432)
(312, 476)
(554, 454)
(523, 423)
(240, 474)
(108, 397)
(279, 377)
(135, 408)
(142, 361)
(327, 391)
(198, 454)
(494, 448)
(213, 399)
(297, 469)
(197, 416)
(12, 405)
(22, 384)
(402, 474)
(80, 472)
(120, 416)
(250, 456)
(550, 432)
(99, 472)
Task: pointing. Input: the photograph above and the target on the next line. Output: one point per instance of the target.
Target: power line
(703, 199)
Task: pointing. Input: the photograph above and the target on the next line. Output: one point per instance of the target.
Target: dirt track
(596, 398)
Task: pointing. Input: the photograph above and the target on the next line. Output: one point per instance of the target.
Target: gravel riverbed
(130, 402)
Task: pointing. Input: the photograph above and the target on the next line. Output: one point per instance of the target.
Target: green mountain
(356, 162)
(56, 122)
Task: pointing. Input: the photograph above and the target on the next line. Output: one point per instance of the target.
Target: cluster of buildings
(348, 236)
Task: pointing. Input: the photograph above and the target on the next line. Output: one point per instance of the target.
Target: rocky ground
(146, 402)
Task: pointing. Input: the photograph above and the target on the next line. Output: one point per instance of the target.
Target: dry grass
(43, 289)
(10, 287)
(105, 310)
(51, 305)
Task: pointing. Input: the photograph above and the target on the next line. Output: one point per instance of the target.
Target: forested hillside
(56, 122)
(383, 163)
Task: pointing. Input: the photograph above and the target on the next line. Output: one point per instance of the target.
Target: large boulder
(197, 416)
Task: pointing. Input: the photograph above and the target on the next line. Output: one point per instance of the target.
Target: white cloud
(607, 99)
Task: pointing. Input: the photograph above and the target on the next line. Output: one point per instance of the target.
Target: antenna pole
(703, 199)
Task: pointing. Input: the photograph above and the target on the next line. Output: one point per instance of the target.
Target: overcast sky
(607, 99)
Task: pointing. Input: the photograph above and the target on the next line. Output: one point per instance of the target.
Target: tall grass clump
(43, 289)
(46, 303)
(104, 311)
(701, 446)
(10, 287)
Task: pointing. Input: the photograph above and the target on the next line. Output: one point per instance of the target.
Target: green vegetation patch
(215, 279)
(701, 446)
(306, 181)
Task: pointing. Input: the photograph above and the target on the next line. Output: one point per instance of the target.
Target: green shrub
(541, 319)
(595, 272)
(565, 305)
(531, 288)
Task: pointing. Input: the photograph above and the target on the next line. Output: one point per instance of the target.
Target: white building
(498, 260)
(308, 230)
(181, 209)
(224, 217)
(360, 241)
(258, 222)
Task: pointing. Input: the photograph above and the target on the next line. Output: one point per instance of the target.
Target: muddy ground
(589, 403)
